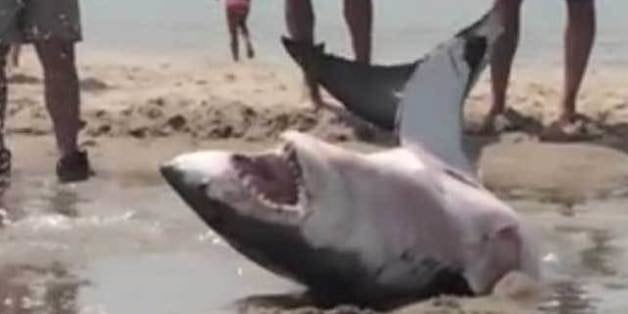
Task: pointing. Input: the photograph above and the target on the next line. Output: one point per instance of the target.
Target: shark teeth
(289, 158)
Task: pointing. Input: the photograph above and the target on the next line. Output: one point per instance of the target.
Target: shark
(393, 226)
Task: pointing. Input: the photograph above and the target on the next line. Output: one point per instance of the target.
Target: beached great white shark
(401, 224)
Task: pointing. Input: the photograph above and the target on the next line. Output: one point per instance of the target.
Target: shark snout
(178, 178)
(170, 172)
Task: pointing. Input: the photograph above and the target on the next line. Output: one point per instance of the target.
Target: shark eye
(203, 186)
(485, 237)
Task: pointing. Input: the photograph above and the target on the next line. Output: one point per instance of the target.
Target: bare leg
(300, 20)
(61, 92)
(501, 62)
(504, 52)
(579, 37)
(359, 18)
(15, 55)
(232, 21)
(4, 51)
(247, 37)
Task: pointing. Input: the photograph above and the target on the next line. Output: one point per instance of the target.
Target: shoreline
(147, 100)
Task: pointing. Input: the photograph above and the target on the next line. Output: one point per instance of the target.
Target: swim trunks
(238, 7)
(26, 21)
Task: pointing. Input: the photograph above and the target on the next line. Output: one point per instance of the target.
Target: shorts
(27, 21)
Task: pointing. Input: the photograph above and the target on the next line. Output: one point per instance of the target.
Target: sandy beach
(160, 97)
(204, 101)
(156, 82)
(139, 112)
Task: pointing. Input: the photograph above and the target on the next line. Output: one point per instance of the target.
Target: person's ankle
(567, 116)
(70, 152)
(496, 110)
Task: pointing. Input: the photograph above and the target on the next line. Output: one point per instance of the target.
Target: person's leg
(359, 17)
(55, 49)
(247, 38)
(300, 21)
(14, 59)
(4, 52)
(579, 37)
(61, 92)
(232, 24)
(503, 53)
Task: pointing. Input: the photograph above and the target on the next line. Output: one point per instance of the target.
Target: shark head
(279, 186)
(261, 204)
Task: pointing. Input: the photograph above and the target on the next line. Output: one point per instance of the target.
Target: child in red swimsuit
(237, 13)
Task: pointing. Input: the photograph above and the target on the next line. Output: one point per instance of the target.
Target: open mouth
(275, 179)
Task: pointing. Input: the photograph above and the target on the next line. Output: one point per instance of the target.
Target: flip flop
(508, 121)
(581, 128)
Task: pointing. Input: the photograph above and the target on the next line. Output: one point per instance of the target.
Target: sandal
(580, 128)
(508, 121)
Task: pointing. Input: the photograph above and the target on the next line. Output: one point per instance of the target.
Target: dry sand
(155, 98)
(200, 100)
(141, 112)
(255, 102)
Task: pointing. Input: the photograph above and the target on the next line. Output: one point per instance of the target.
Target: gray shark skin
(376, 229)
(373, 92)
(369, 91)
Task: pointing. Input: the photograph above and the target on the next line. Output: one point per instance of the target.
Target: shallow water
(129, 245)
(403, 30)
(103, 247)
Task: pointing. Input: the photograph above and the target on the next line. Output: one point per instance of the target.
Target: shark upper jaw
(276, 186)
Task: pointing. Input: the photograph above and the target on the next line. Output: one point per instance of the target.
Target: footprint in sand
(91, 84)
(20, 78)
(230, 77)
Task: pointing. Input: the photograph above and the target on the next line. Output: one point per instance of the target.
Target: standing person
(14, 56)
(579, 38)
(237, 13)
(358, 15)
(53, 27)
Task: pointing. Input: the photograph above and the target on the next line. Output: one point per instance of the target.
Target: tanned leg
(300, 23)
(579, 38)
(300, 20)
(4, 51)
(359, 17)
(61, 92)
(247, 37)
(233, 35)
(504, 52)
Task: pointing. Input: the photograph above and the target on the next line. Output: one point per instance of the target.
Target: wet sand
(124, 243)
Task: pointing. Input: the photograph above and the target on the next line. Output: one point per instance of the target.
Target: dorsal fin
(431, 111)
